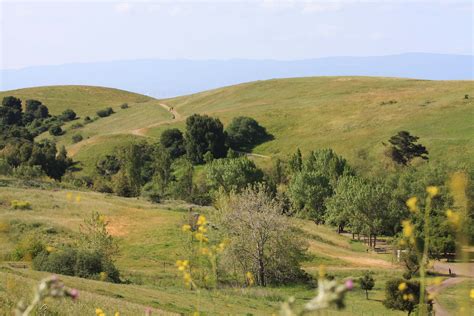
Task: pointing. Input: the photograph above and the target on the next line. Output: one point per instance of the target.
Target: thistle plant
(49, 287)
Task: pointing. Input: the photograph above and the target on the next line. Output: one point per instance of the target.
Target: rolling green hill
(352, 115)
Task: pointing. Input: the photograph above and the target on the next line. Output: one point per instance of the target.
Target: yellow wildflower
(205, 251)
(99, 312)
(182, 264)
(471, 294)
(201, 220)
(103, 276)
(69, 196)
(187, 278)
(453, 218)
(196, 313)
(438, 280)
(432, 191)
(201, 237)
(405, 297)
(322, 271)
(407, 228)
(102, 219)
(411, 203)
(221, 247)
(402, 286)
(202, 229)
(186, 228)
(117, 314)
(411, 297)
(50, 249)
(402, 242)
(78, 198)
(250, 278)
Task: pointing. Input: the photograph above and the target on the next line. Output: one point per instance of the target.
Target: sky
(38, 33)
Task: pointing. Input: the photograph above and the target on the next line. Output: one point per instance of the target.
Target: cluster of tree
(18, 129)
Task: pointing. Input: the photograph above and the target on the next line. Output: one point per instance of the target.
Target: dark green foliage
(105, 112)
(403, 300)
(296, 162)
(327, 163)
(204, 134)
(10, 111)
(68, 115)
(80, 263)
(182, 186)
(76, 138)
(87, 120)
(308, 191)
(124, 106)
(244, 132)
(404, 148)
(12, 102)
(152, 192)
(232, 174)
(36, 110)
(108, 166)
(172, 140)
(367, 283)
(56, 130)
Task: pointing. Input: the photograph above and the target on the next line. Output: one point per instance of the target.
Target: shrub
(76, 138)
(77, 125)
(62, 262)
(68, 115)
(151, 192)
(56, 130)
(105, 112)
(28, 172)
(172, 139)
(20, 205)
(402, 295)
(124, 106)
(87, 120)
(5, 168)
(28, 248)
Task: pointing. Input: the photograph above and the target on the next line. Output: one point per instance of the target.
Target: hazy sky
(44, 33)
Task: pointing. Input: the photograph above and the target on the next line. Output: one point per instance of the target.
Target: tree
(404, 148)
(182, 172)
(262, 241)
(131, 162)
(307, 192)
(403, 295)
(296, 162)
(12, 102)
(162, 169)
(10, 111)
(203, 134)
(327, 163)
(244, 132)
(367, 282)
(232, 174)
(108, 166)
(56, 130)
(172, 139)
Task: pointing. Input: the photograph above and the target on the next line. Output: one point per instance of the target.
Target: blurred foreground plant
(49, 287)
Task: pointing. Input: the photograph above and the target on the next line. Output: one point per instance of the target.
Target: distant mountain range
(166, 78)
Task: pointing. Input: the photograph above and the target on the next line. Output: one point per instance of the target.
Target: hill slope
(352, 115)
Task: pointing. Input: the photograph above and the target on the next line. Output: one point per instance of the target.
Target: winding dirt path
(176, 118)
(464, 271)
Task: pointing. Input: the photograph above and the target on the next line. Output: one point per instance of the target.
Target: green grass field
(151, 241)
(352, 115)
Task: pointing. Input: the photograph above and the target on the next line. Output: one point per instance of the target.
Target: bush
(402, 295)
(28, 172)
(5, 168)
(68, 115)
(124, 106)
(56, 130)
(20, 205)
(172, 139)
(76, 138)
(87, 120)
(105, 112)
(28, 248)
(61, 262)
(151, 192)
(77, 125)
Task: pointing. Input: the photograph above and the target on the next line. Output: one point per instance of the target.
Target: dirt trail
(464, 271)
(142, 132)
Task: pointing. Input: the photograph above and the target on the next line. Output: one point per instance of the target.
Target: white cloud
(123, 7)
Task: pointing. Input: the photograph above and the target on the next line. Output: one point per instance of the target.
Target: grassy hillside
(84, 100)
(151, 241)
(353, 115)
